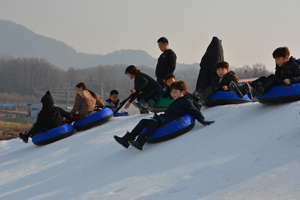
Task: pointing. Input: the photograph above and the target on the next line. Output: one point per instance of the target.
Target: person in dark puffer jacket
(207, 74)
(181, 105)
(221, 83)
(50, 117)
(287, 72)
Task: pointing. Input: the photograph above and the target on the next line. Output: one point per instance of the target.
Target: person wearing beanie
(50, 117)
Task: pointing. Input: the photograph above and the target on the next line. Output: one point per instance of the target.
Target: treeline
(255, 71)
(25, 75)
(25, 80)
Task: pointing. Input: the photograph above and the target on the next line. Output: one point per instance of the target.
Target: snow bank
(250, 152)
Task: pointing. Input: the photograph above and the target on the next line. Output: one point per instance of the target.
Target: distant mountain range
(18, 41)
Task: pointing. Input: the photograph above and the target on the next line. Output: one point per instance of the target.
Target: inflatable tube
(223, 98)
(94, 119)
(53, 134)
(281, 94)
(121, 114)
(172, 129)
(162, 104)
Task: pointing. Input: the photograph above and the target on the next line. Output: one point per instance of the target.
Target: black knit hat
(47, 98)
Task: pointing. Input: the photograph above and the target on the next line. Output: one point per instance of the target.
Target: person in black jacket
(181, 105)
(152, 98)
(222, 81)
(50, 117)
(143, 84)
(166, 62)
(287, 72)
(207, 74)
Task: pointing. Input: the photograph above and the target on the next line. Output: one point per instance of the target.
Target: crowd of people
(214, 76)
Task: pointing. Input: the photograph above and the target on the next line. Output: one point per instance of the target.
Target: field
(10, 128)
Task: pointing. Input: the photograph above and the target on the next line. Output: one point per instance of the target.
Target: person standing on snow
(166, 63)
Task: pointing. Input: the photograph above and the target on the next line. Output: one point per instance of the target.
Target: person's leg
(150, 96)
(157, 96)
(142, 138)
(152, 126)
(262, 85)
(251, 89)
(31, 132)
(240, 90)
(151, 102)
(139, 98)
(257, 81)
(140, 126)
(135, 132)
(270, 82)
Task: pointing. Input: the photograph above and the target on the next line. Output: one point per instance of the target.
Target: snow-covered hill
(250, 152)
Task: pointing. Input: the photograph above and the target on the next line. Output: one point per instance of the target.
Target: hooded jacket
(49, 120)
(213, 54)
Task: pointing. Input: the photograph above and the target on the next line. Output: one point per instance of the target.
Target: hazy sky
(250, 30)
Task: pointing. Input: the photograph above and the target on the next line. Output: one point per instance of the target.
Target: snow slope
(250, 152)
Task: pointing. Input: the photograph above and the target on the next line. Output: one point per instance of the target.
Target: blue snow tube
(53, 135)
(225, 97)
(94, 119)
(121, 114)
(281, 94)
(172, 129)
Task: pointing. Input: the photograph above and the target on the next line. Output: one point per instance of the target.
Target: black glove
(206, 122)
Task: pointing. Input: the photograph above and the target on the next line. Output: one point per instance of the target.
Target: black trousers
(150, 124)
(267, 82)
(32, 131)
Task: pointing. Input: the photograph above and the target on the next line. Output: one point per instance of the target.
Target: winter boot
(24, 137)
(257, 91)
(139, 142)
(239, 90)
(124, 140)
